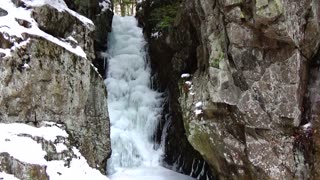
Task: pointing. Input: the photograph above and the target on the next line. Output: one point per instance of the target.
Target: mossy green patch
(279, 5)
(201, 138)
(36, 172)
(272, 9)
(163, 16)
(214, 62)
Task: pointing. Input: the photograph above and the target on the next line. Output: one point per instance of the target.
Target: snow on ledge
(7, 52)
(9, 25)
(27, 150)
(61, 6)
(6, 176)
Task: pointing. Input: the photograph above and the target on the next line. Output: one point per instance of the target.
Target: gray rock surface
(102, 19)
(57, 85)
(249, 65)
(20, 169)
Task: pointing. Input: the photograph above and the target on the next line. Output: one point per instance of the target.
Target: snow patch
(198, 112)
(6, 52)
(9, 25)
(199, 105)
(105, 5)
(72, 39)
(79, 169)
(6, 176)
(306, 126)
(188, 83)
(185, 75)
(16, 140)
(22, 148)
(48, 133)
(155, 34)
(26, 66)
(60, 147)
(95, 69)
(61, 6)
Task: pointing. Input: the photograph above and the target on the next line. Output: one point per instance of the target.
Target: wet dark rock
(311, 122)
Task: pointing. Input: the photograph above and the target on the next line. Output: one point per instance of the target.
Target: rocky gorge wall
(45, 79)
(249, 106)
(100, 12)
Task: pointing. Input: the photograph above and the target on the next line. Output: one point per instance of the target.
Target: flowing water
(134, 108)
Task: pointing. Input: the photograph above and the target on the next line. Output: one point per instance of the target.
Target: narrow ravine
(134, 107)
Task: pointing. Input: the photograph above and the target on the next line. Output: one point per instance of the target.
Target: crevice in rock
(171, 54)
(238, 77)
(308, 141)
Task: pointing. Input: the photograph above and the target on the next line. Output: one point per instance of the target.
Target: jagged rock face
(48, 18)
(58, 87)
(243, 106)
(179, 154)
(43, 81)
(101, 15)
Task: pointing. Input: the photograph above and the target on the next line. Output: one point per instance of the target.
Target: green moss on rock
(216, 61)
(269, 9)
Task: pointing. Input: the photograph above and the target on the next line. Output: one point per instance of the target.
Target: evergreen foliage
(163, 15)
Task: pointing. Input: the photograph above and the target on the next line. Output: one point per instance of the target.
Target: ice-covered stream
(134, 107)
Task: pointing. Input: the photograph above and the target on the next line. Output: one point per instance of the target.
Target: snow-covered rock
(20, 23)
(100, 12)
(46, 75)
(28, 152)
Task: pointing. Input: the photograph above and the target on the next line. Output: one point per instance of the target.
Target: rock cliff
(47, 75)
(247, 96)
(100, 12)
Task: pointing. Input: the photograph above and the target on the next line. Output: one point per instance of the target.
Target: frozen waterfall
(134, 107)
